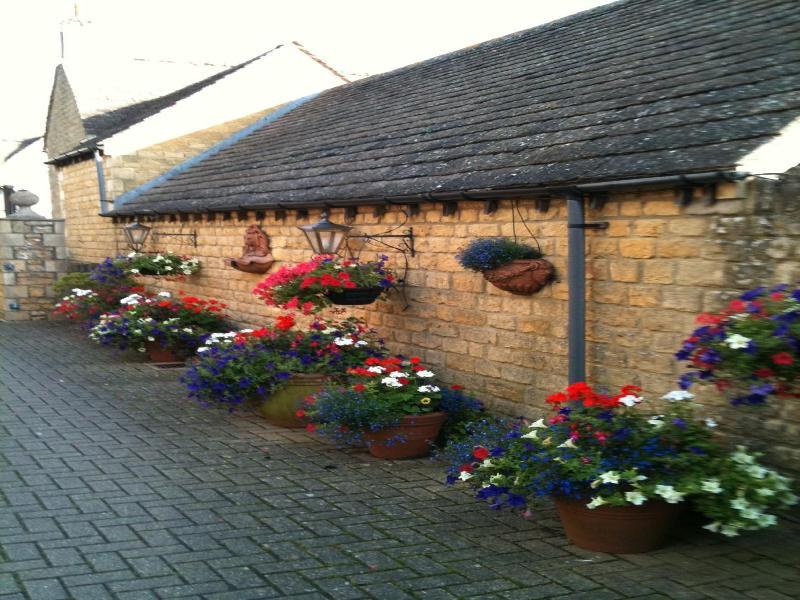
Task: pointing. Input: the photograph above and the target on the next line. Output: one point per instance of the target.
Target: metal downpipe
(101, 182)
(576, 280)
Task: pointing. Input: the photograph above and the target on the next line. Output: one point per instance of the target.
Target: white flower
(202, 349)
(713, 527)
(165, 294)
(677, 396)
(630, 400)
(131, 300)
(756, 471)
(150, 338)
(766, 520)
(497, 478)
(765, 492)
(427, 389)
(729, 531)
(158, 258)
(425, 374)
(741, 456)
(537, 424)
(609, 477)
(636, 498)
(711, 486)
(464, 475)
(656, 421)
(736, 341)
(168, 268)
(752, 514)
(740, 503)
(570, 443)
(132, 255)
(398, 374)
(391, 382)
(710, 423)
(245, 331)
(142, 349)
(598, 501)
(136, 331)
(362, 343)
(669, 493)
(135, 271)
(487, 463)
(343, 341)
(531, 435)
(329, 330)
(375, 369)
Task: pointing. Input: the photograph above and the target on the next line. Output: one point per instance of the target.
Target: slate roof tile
(637, 88)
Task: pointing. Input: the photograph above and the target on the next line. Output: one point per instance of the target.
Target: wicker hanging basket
(523, 276)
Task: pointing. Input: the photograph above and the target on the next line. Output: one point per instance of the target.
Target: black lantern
(325, 237)
(137, 235)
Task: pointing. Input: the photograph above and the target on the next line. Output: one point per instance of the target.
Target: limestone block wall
(33, 255)
(649, 274)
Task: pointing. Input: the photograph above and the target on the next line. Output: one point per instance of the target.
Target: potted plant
(164, 264)
(85, 296)
(507, 264)
(279, 367)
(325, 280)
(750, 350)
(391, 404)
(619, 477)
(166, 327)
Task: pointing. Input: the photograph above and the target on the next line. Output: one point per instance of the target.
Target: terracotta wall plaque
(256, 256)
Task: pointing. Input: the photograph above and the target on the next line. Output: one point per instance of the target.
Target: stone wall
(649, 274)
(33, 256)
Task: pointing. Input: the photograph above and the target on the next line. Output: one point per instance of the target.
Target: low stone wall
(33, 256)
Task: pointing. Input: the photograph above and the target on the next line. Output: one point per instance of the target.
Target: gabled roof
(633, 89)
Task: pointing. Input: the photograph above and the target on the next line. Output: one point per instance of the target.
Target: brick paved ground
(115, 487)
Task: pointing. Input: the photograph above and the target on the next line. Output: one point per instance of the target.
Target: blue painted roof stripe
(216, 148)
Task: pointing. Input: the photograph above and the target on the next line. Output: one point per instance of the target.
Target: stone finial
(23, 200)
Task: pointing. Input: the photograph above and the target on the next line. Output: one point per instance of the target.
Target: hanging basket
(522, 277)
(619, 529)
(355, 296)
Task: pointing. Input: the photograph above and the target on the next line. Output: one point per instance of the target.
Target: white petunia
(537, 424)
(464, 475)
(375, 369)
(669, 493)
(756, 471)
(766, 520)
(729, 531)
(677, 396)
(712, 527)
(741, 456)
(132, 255)
(391, 382)
(202, 349)
(656, 421)
(740, 504)
(710, 423)
(609, 477)
(427, 389)
(167, 268)
(711, 486)
(398, 374)
(570, 443)
(636, 498)
(425, 374)
(736, 341)
(150, 338)
(142, 349)
(765, 492)
(165, 294)
(343, 341)
(596, 502)
(531, 435)
(362, 343)
(630, 400)
(135, 271)
(245, 331)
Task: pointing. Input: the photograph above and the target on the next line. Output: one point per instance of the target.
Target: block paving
(114, 485)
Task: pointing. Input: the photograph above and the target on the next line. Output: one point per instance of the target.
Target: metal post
(576, 279)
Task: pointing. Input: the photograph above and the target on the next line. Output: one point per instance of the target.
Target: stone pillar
(33, 256)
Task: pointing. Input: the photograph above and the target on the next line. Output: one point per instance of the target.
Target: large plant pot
(280, 407)
(355, 296)
(619, 529)
(160, 354)
(523, 277)
(412, 438)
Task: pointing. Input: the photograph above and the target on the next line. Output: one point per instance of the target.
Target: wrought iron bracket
(192, 236)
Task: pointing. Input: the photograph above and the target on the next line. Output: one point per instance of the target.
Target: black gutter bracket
(595, 225)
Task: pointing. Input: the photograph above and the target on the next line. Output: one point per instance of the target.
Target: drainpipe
(576, 280)
(101, 181)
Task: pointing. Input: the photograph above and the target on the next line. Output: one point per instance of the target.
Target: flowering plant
(600, 449)
(181, 324)
(305, 286)
(161, 264)
(751, 349)
(85, 296)
(380, 393)
(235, 366)
(482, 254)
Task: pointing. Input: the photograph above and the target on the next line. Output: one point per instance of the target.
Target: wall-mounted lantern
(137, 235)
(325, 237)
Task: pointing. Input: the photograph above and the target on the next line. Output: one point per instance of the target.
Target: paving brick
(132, 493)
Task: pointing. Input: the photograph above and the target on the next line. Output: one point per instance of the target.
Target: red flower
(737, 306)
(284, 322)
(310, 427)
(782, 358)
(466, 467)
(764, 372)
(776, 296)
(299, 413)
(480, 453)
(415, 360)
(556, 398)
(404, 380)
(359, 387)
(456, 387)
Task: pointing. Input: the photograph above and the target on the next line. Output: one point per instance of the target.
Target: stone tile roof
(632, 89)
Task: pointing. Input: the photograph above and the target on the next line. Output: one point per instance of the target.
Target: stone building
(676, 123)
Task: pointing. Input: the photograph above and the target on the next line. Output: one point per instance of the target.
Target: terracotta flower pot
(412, 438)
(355, 296)
(619, 529)
(523, 276)
(160, 354)
(280, 408)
